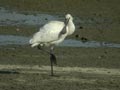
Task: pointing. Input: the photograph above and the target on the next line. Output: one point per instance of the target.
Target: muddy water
(21, 40)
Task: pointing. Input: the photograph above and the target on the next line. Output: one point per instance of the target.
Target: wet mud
(79, 68)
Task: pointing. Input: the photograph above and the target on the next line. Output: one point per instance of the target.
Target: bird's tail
(30, 41)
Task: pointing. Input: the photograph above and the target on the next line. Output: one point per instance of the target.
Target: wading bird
(51, 34)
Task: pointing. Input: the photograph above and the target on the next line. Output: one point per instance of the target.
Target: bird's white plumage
(49, 33)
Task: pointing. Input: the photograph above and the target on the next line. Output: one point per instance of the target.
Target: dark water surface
(8, 17)
(21, 40)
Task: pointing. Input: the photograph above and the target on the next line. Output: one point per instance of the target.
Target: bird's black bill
(66, 21)
(63, 31)
(53, 59)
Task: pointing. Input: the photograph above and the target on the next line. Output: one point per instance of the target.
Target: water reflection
(21, 40)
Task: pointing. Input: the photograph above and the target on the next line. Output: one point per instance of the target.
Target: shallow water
(8, 17)
(10, 39)
(21, 40)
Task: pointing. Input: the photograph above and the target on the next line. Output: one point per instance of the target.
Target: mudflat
(79, 68)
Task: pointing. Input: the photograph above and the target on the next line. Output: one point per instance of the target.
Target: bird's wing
(49, 32)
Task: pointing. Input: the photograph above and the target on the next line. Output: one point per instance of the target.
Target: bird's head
(68, 16)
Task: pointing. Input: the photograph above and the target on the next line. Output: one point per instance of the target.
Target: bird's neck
(71, 27)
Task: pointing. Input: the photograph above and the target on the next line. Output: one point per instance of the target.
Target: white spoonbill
(51, 34)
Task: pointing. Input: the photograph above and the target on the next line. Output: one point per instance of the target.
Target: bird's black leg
(52, 60)
(52, 57)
